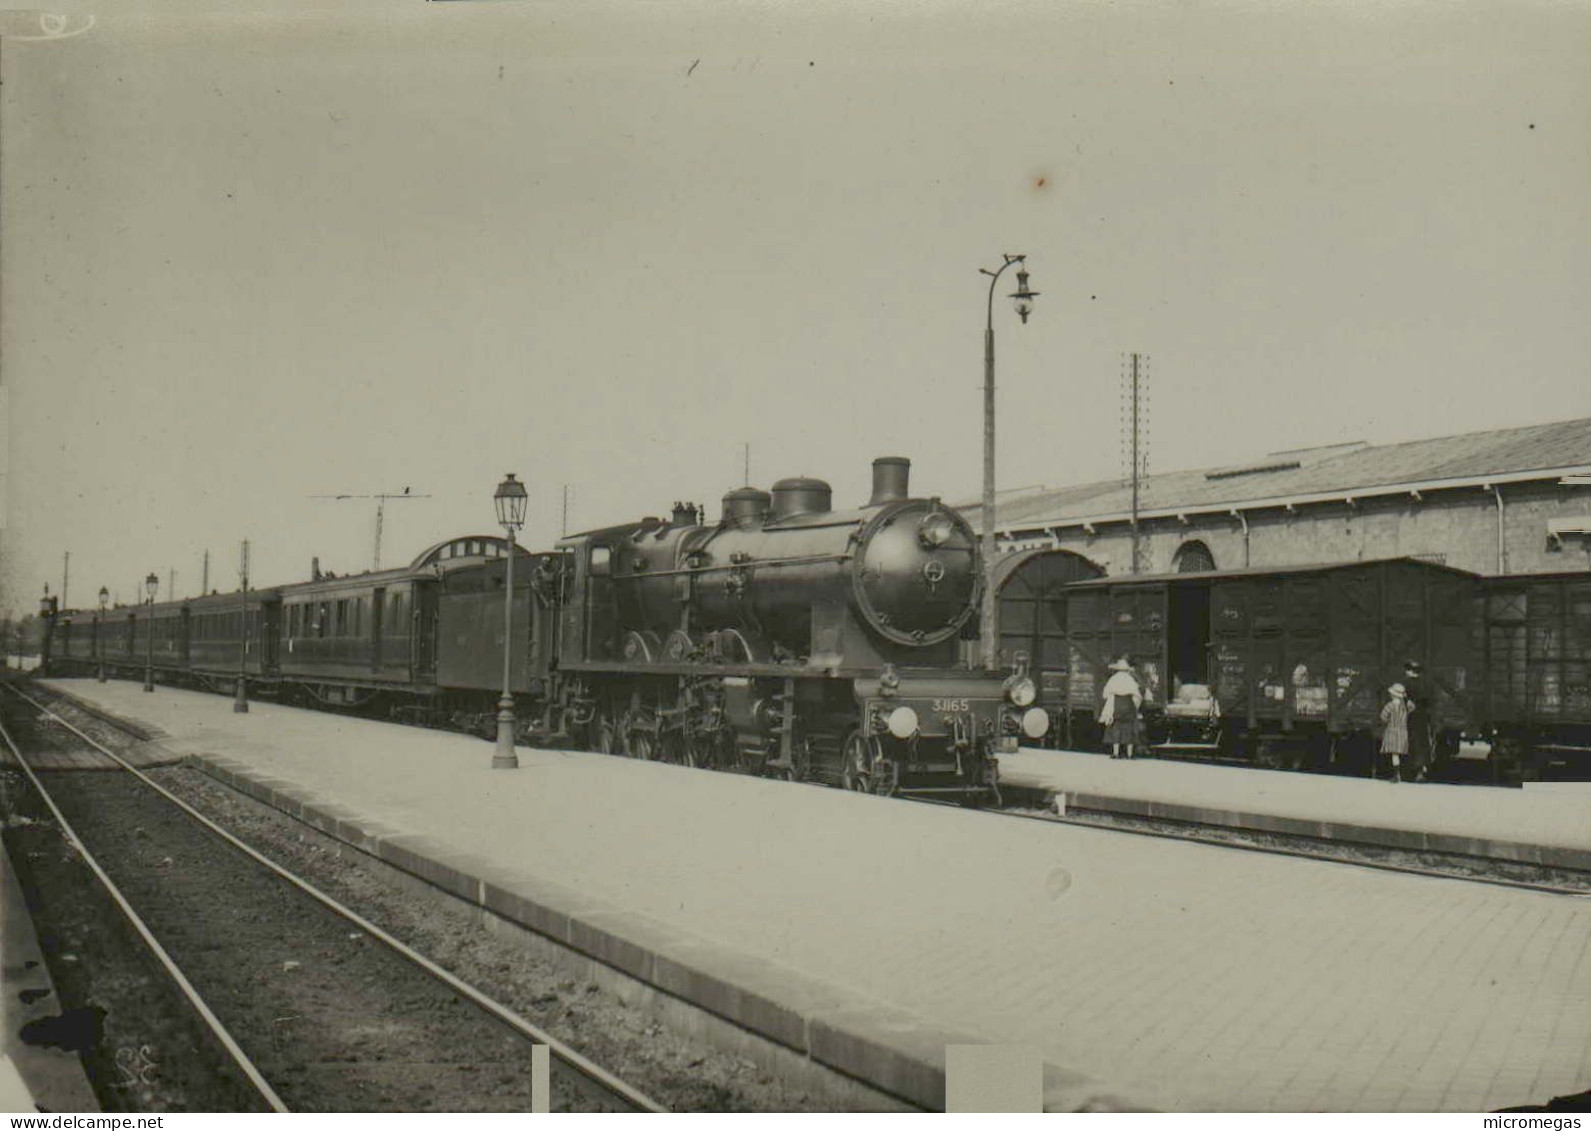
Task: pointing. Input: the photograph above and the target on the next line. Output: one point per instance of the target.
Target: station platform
(1539, 824)
(868, 934)
(33, 1075)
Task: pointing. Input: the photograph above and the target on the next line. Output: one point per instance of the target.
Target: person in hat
(1421, 719)
(1123, 697)
(1395, 729)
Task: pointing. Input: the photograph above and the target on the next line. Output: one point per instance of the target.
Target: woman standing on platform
(1395, 732)
(1123, 697)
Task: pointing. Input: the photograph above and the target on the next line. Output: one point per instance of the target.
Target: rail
(584, 1073)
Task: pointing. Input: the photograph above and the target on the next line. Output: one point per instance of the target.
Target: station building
(1515, 500)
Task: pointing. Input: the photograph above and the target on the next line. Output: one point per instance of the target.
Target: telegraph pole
(66, 572)
(204, 589)
(381, 509)
(1135, 425)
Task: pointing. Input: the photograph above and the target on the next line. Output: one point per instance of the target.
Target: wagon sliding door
(1356, 648)
(1138, 631)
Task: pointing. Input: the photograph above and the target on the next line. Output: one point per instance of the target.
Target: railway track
(325, 1009)
(1471, 869)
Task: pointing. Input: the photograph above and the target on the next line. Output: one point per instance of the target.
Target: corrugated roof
(1562, 444)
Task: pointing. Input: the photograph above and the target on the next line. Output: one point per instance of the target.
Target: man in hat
(1421, 719)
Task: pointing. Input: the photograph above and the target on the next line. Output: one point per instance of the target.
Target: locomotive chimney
(890, 477)
(684, 515)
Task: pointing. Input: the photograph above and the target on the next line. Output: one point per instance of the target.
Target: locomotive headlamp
(1035, 722)
(151, 586)
(511, 499)
(1021, 690)
(935, 529)
(903, 722)
(1023, 298)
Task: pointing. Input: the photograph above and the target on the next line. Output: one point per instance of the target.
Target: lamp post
(151, 586)
(1022, 298)
(240, 695)
(99, 647)
(511, 500)
(47, 608)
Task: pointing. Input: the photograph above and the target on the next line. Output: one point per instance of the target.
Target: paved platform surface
(1176, 976)
(1542, 825)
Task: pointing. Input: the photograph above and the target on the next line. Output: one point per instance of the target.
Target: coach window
(359, 616)
(491, 549)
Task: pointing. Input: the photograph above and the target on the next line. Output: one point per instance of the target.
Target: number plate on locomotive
(953, 705)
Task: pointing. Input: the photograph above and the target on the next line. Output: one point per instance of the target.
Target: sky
(246, 261)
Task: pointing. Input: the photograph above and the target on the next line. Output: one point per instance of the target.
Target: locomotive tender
(786, 638)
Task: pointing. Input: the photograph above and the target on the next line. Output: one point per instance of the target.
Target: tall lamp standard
(151, 586)
(1022, 298)
(240, 695)
(99, 647)
(511, 500)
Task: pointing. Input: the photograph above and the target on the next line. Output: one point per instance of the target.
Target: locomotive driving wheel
(699, 749)
(862, 753)
(604, 739)
(640, 741)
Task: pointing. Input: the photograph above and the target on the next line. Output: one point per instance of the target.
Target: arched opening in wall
(1193, 557)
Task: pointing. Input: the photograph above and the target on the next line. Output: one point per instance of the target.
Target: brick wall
(1456, 527)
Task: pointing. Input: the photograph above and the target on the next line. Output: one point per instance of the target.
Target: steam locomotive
(786, 638)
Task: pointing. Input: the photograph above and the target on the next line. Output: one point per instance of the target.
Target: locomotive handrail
(815, 559)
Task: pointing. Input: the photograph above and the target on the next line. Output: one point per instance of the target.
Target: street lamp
(99, 647)
(240, 691)
(511, 500)
(47, 609)
(1023, 301)
(151, 586)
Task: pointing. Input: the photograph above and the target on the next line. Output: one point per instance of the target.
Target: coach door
(378, 621)
(424, 622)
(270, 626)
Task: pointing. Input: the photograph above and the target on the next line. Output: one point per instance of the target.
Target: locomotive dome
(800, 495)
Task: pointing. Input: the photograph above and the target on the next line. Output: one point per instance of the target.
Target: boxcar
(1285, 667)
(1533, 634)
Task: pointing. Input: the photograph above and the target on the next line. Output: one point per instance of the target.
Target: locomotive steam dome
(800, 495)
(745, 506)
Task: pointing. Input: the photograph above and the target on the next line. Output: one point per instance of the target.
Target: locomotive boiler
(894, 580)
